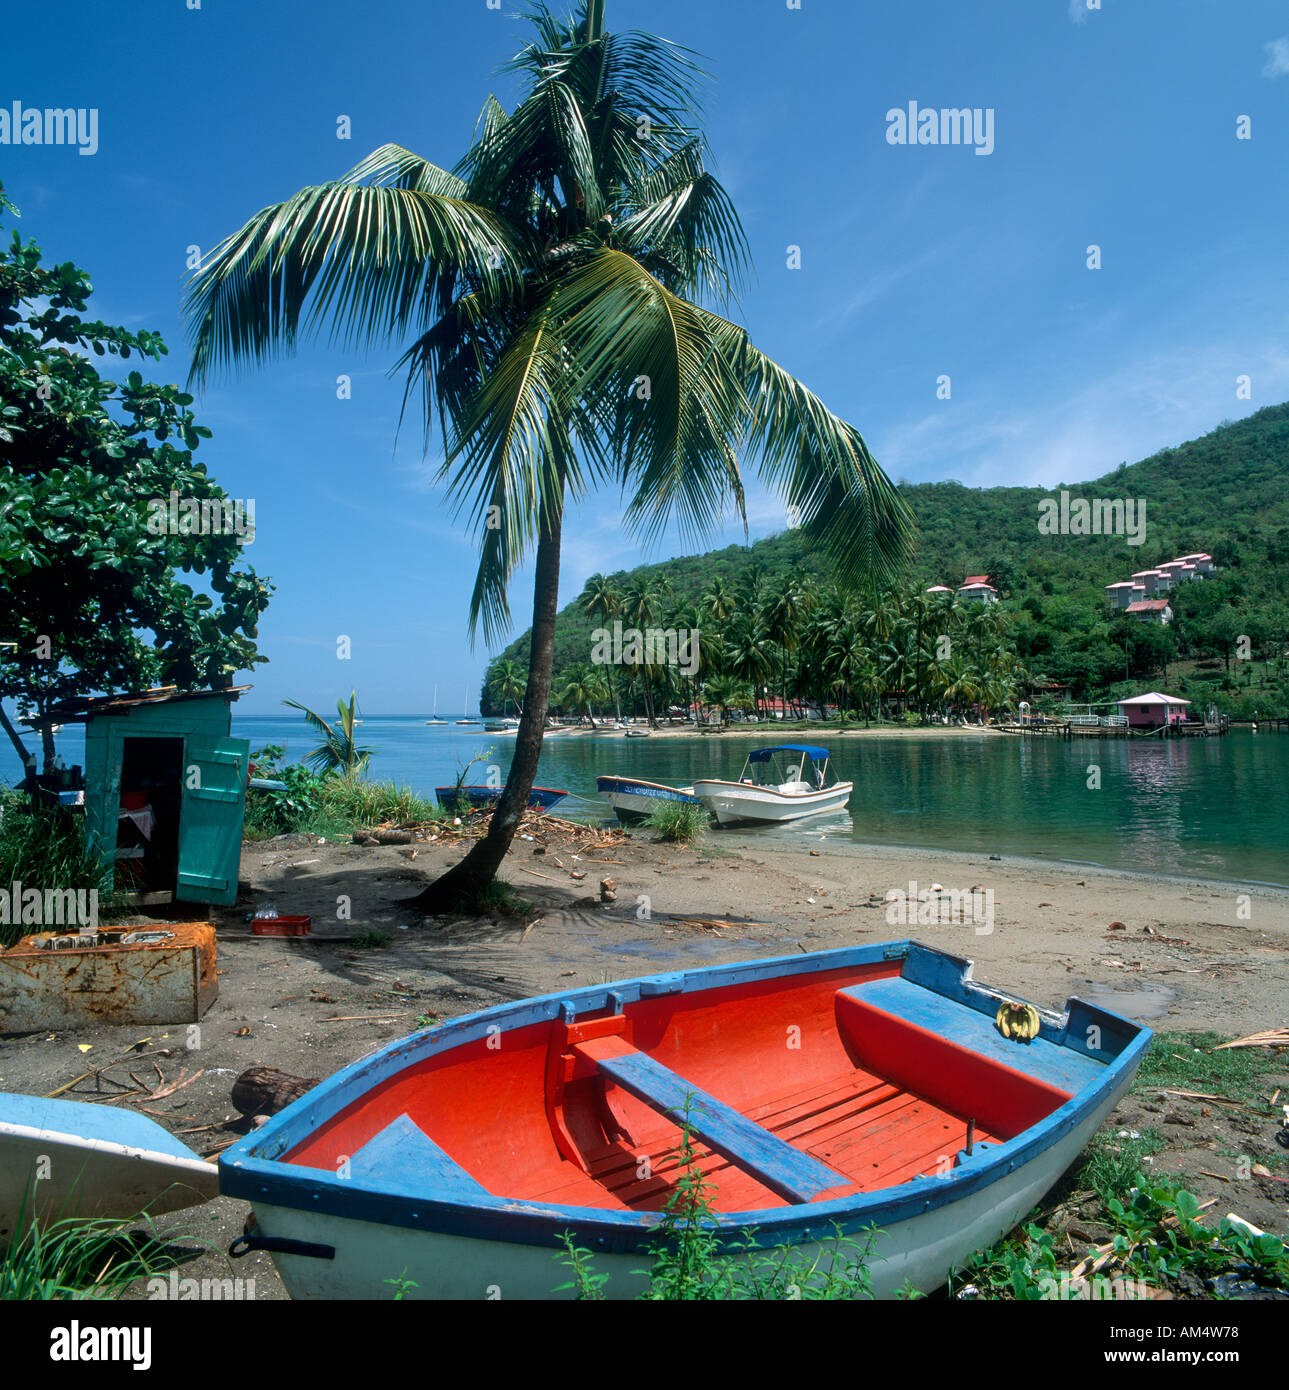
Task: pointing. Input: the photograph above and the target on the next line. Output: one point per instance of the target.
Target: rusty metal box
(79, 984)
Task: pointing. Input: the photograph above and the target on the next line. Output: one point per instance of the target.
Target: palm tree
(784, 611)
(602, 599)
(506, 683)
(640, 606)
(585, 688)
(557, 288)
(337, 752)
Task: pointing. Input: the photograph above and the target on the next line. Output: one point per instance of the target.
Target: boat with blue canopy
(781, 783)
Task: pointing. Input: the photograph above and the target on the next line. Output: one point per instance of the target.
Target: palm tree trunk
(461, 886)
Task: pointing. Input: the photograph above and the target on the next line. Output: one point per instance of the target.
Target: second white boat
(778, 784)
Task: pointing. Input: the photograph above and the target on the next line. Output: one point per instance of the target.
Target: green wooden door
(210, 822)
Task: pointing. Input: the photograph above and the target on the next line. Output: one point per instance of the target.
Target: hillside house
(1150, 610)
(976, 588)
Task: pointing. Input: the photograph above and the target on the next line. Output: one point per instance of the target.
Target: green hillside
(1226, 493)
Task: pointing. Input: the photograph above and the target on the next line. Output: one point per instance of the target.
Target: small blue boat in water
(634, 799)
(479, 797)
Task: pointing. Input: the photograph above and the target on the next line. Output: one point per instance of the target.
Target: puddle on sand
(1139, 1004)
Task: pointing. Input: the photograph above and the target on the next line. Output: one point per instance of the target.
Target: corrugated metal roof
(73, 711)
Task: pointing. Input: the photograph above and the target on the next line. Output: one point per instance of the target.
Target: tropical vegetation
(91, 594)
(1053, 636)
(562, 293)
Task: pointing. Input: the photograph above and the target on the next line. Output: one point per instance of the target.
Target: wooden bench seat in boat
(953, 1054)
(403, 1158)
(784, 1169)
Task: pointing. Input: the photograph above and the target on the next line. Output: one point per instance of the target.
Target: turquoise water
(1207, 808)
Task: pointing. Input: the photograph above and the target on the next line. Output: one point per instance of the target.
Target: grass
(1159, 1238)
(1188, 1062)
(678, 822)
(83, 1257)
(369, 940)
(43, 847)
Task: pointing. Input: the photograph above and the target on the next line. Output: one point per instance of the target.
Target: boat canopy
(763, 755)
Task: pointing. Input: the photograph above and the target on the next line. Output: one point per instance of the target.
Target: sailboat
(436, 719)
(467, 720)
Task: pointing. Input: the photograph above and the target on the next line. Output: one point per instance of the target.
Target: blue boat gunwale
(247, 1172)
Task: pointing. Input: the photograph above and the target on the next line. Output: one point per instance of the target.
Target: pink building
(1153, 710)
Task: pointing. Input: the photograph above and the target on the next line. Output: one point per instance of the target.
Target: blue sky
(1114, 127)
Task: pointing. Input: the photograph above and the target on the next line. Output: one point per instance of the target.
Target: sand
(1190, 955)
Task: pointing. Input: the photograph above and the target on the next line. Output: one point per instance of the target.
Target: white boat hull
(917, 1251)
(733, 803)
(53, 1172)
(639, 799)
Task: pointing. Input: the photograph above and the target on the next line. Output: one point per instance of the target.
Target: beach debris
(608, 890)
(266, 1090)
(578, 874)
(814, 854)
(1270, 1037)
(1117, 926)
(996, 856)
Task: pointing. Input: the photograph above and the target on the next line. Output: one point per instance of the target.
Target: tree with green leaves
(91, 549)
(506, 683)
(562, 289)
(338, 751)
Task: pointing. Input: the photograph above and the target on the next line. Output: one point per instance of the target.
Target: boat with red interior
(868, 1088)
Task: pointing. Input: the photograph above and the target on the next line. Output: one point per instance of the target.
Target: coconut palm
(585, 688)
(558, 292)
(338, 752)
(506, 683)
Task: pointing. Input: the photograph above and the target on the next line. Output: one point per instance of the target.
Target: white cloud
(1277, 64)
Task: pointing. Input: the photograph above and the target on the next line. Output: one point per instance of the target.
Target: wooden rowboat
(867, 1087)
(479, 795)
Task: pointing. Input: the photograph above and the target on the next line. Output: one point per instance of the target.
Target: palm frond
(370, 258)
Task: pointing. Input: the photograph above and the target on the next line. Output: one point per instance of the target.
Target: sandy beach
(773, 728)
(1188, 956)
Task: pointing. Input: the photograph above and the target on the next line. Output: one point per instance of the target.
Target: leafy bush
(333, 805)
(280, 812)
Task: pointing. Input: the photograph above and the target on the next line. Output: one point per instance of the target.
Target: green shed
(165, 790)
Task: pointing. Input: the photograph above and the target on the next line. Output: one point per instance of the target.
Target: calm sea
(1208, 808)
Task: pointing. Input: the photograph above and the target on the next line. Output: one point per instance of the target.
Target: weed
(692, 1261)
(370, 940)
(43, 847)
(678, 822)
